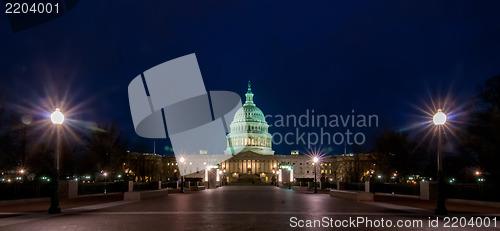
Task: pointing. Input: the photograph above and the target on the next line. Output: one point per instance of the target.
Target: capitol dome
(249, 113)
(249, 129)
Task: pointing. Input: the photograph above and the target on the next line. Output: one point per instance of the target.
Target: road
(227, 208)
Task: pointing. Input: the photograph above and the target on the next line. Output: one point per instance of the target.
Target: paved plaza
(226, 208)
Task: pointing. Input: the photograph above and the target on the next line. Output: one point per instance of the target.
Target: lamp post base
(182, 184)
(441, 211)
(441, 197)
(54, 198)
(441, 203)
(54, 210)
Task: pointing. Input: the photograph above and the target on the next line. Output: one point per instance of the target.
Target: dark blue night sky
(333, 57)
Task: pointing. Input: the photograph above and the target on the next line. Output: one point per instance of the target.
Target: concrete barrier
(24, 201)
(474, 203)
(197, 188)
(130, 186)
(428, 190)
(47, 199)
(352, 195)
(173, 190)
(390, 195)
(68, 189)
(299, 188)
(143, 195)
(101, 194)
(340, 185)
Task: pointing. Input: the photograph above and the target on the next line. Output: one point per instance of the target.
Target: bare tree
(106, 150)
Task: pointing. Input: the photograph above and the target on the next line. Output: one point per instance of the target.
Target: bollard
(130, 186)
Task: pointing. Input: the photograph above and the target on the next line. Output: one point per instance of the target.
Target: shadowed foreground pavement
(226, 208)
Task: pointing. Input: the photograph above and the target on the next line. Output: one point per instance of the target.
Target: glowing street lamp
(57, 119)
(315, 160)
(439, 120)
(182, 160)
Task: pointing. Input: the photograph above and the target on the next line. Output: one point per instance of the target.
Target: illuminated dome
(249, 112)
(249, 129)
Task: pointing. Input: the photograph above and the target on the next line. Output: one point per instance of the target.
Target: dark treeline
(471, 145)
(30, 146)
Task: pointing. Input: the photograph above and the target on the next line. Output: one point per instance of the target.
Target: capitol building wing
(249, 130)
(253, 160)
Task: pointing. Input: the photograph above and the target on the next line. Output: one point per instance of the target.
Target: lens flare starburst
(316, 154)
(438, 112)
(38, 107)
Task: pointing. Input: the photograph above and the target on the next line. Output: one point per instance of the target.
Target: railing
(483, 192)
(170, 184)
(331, 185)
(24, 190)
(406, 189)
(355, 186)
(101, 187)
(139, 186)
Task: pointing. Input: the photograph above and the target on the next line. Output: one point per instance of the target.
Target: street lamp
(182, 177)
(439, 120)
(57, 119)
(315, 160)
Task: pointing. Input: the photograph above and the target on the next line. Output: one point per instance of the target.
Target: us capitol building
(255, 160)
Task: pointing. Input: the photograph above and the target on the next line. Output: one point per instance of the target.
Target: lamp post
(57, 119)
(182, 177)
(223, 177)
(206, 177)
(26, 119)
(439, 120)
(275, 173)
(315, 160)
